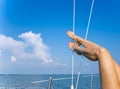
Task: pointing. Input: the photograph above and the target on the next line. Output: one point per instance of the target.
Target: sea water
(17, 81)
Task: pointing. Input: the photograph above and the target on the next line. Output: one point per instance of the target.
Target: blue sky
(33, 36)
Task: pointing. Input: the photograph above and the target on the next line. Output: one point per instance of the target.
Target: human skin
(109, 69)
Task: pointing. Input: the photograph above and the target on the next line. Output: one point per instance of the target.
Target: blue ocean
(17, 81)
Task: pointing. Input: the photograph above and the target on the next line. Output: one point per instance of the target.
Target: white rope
(72, 86)
(86, 35)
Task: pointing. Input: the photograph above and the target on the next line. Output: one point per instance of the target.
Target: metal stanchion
(49, 83)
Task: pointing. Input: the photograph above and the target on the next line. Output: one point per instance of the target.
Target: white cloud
(30, 47)
(34, 43)
(13, 59)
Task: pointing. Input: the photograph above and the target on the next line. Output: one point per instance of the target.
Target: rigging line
(78, 77)
(86, 35)
(74, 16)
(72, 86)
(88, 25)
